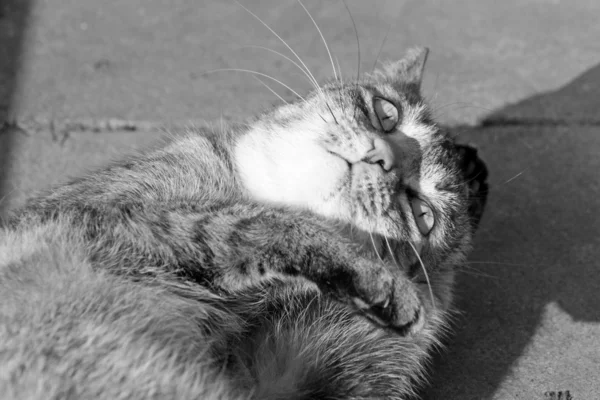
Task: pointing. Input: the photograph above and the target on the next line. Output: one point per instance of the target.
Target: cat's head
(367, 153)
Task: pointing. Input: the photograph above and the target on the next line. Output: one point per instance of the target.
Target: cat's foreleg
(250, 244)
(236, 247)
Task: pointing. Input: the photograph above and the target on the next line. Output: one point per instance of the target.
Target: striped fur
(281, 259)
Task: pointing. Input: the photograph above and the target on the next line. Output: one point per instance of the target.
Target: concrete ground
(518, 78)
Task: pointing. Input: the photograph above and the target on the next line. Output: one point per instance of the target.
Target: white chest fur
(291, 169)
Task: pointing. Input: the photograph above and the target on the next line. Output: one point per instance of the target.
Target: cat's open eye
(423, 216)
(386, 112)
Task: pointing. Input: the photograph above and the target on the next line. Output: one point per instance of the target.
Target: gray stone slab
(144, 59)
(40, 160)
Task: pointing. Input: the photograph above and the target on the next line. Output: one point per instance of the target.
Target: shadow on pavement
(536, 254)
(14, 15)
(575, 103)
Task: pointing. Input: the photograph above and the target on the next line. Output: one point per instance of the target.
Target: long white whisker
(259, 74)
(500, 263)
(341, 84)
(424, 272)
(374, 246)
(475, 272)
(314, 83)
(357, 40)
(460, 105)
(382, 45)
(391, 252)
(271, 89)
(514, 177)
(282, 41)
(322, 38)
(337, 61)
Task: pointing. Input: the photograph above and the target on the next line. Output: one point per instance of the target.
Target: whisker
(500, 263)
(515, 177)
(465, 267)
(285, 57)
(374, 246)
(460, 184)
(322, 38)
(477, 175)
(337, 61)
(282, 41)
(341, 85)
(391, 252)
(271, 89)
(463, 104)
(382, 45)
(355, 108)
(425, 272)
(329, 108)
(474, 272)
(522, 140)
(437, 114)
(357, 40)
(255, 73)
(492, 187)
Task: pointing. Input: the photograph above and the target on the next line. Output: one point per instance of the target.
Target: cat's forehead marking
(413, 124)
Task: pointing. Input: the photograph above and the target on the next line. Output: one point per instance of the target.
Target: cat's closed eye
(386, 112)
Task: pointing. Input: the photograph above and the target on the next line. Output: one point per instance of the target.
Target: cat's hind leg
(300, 344)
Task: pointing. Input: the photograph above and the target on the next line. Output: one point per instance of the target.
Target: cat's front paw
(390, 300)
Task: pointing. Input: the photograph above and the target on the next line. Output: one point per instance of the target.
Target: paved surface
(528, 69)
(145, 59)
(574, 104)
(530, 294)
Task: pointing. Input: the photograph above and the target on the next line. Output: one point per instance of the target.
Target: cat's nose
(381, 154)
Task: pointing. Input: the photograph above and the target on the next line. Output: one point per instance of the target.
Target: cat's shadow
(536, 250)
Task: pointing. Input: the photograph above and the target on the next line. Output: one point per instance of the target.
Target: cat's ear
(410, 68)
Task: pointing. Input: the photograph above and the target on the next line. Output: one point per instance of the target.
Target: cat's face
(368, 154)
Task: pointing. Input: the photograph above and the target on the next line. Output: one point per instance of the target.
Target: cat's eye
(386, 112)
(423, 216)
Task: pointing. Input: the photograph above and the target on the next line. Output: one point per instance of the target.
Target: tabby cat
(308, 254)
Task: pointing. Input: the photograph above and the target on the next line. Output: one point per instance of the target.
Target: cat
(308, 254)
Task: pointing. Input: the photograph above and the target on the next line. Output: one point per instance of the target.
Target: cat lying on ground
(309, 254)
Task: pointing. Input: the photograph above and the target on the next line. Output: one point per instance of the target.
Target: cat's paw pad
(388, 300)
(475, 174)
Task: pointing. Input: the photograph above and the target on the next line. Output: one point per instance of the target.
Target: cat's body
(244, 263)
